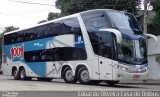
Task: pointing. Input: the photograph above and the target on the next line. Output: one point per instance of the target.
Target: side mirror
(152, 36)
(116, 32)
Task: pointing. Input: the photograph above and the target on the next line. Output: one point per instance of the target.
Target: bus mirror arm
(114, 31)
(152, 36)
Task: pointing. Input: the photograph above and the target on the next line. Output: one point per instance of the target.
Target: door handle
(101, 62)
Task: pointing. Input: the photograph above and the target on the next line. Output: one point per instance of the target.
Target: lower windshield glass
(132, 51)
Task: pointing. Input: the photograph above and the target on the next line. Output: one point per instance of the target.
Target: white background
(24, 15)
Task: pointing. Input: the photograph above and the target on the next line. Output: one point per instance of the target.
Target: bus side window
(40, 35)
(106, 50)
(78, 54)
(20, 39)
(6, 41)
(49, 31)
(32, 36)
(13, 38)
(58, 28)
(27, 36)
(46, 55)
(94, 41)
(71, 26)
(105, 45)
(102, 43)
(42, 31)
(35, 58)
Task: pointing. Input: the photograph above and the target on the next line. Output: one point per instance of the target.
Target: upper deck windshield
(125, 22)
(111, 19)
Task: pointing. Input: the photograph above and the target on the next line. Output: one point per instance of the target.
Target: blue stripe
(38, 68)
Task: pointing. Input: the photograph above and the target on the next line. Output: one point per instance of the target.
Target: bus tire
(83, 76)
(68, 76)
(22, 74)
(16, 74)
(112, 83)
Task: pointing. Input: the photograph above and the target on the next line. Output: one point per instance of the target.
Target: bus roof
(65, 17)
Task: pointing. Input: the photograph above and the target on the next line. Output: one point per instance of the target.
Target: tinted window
(56, 54)
(20, 37)
(71, 26)
(125, 22)
(10, 39)
(67, 26)
(6, 39)
(96, 20)
(102, 43)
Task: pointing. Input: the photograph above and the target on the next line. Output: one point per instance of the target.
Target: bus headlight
(120, 67)
(131, 69)
(123, 68)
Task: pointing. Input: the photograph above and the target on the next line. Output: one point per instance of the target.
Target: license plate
(136, 76)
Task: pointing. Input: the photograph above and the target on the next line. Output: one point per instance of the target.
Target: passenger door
(106, 54)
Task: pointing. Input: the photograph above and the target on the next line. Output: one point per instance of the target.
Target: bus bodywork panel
(17, 54)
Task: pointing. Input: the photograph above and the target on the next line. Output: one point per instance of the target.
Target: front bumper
(123, 75)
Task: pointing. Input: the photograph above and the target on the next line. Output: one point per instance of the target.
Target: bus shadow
(120, 85)
(141, 83)
(103, 85)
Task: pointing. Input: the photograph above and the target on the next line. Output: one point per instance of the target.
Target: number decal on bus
(17, 52)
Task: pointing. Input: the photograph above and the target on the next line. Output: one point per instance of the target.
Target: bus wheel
(22, 73)
(68, 76)
(16, 74)
(83, 76)
(112, 83)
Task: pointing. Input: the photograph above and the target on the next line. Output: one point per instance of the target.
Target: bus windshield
(124, 22)
(132, 51)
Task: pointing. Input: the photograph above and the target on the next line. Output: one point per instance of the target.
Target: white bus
(89, 47)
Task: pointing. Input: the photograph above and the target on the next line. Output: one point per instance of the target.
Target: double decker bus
(89, 47)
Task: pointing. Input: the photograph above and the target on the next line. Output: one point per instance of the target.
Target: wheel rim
(69, 75)
(22, 74)
(85, 76)
(15, 73)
